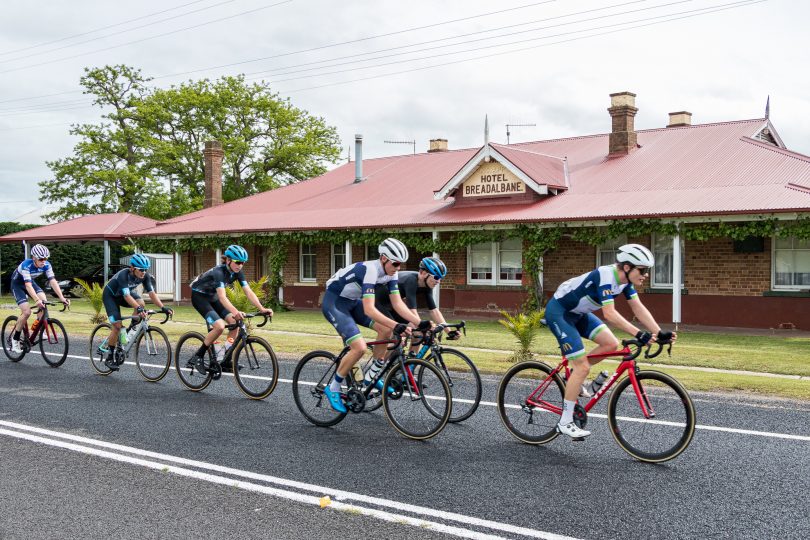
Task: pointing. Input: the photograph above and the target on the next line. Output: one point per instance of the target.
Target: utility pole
(515, 125)
(413, 143)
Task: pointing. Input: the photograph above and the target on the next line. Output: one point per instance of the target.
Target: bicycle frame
(45, 327)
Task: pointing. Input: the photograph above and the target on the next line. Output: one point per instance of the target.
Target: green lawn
(488, 344)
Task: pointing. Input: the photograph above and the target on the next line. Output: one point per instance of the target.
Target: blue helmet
(140, 261)
(434, 267)
(236, 253)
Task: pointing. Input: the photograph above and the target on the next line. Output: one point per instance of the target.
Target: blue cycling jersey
(124, 281)
(590, 292)
(358, 280)
(27, 271)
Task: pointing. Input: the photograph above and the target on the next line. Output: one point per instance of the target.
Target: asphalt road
(88, 456)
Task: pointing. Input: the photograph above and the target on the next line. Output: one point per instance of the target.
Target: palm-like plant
(94, 293)
(237, 296)
(524, 327)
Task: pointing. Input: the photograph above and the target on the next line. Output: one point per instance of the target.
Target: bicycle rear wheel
(187, 347)
(464, 381)
(313, 372)
(667, 433)
(99, 339)
(423, 406)
(7, 332)
(53, 343)
(529, 401)
(255, 368)
(153, 354)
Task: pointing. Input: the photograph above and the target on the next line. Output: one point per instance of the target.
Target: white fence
(162, 269)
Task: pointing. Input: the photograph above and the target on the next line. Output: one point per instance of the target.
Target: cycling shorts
(211, 309)
(569, 328)
(113, 304)
(21, 293)
(345, 314)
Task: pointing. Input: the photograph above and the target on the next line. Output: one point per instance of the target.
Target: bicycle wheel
(661, 437)
(464, 381)
(187, 347)
(255, 367)
(53, 343)
(7, 332)
(313, 372)
(424, 405)
(530, 403)
(153, 354)
(99, 339)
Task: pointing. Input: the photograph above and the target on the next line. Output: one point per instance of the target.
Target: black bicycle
(417, 400)
(252, 361)
(49, 334)
(150, 345)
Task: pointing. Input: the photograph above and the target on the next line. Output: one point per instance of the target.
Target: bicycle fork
(643, 399)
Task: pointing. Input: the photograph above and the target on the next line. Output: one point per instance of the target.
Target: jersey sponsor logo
(566, 347)
(606, 292)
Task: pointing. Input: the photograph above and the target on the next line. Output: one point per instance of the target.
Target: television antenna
(516, 125)
(412, 143)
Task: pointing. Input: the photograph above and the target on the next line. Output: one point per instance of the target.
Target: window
(662, 250)
(791, 263)
(606, 252)
(496, 263)
(307, 262)
(338, 257)
(196, 263)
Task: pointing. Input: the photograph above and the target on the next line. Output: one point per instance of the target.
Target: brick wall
(712, 268)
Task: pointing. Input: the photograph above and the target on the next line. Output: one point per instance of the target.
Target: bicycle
(650, 414)
(465, 385)
(153, 352)
(253, 361)
(47, 334)
(417, 402)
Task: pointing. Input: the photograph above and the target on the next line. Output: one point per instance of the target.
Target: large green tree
(147, 156)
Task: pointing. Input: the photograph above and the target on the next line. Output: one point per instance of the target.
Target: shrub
(524, 327)
(93, 293)
(237, 296)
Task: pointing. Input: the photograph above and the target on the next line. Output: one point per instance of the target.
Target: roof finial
(768, 107)
(486, 130)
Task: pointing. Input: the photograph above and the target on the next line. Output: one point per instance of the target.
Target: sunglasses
(643, 271)
(238, 262)
(42, 259)
(395, 264)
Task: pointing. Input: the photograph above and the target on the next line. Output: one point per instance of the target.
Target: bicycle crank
(580, 416)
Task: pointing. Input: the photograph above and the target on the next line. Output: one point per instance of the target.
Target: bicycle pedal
(577, 439)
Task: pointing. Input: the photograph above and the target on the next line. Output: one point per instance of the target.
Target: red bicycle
(650, 414)
(49, 333)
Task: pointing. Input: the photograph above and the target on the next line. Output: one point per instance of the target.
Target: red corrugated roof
(705, 169)
(92, 227)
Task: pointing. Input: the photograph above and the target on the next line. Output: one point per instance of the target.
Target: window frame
(614, 244)
(314, 256)
(495, 254)
(653, 283)
(334, 267)
(774, 286)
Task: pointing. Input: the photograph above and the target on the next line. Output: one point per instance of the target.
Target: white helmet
(394, 250)
(635, 254)
(40, 252)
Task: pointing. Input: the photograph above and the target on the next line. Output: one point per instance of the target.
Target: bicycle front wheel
(53, 343)
(464, 381)
(6, 334)
(153, 354)
(313, 372)
(255, 368)
(187, 347)
(530, 402)
(668, 430)
(99, 347)
(423, 406)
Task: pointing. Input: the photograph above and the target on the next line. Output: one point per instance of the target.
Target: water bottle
(373, 370)
(599, 381)
(219, 348)
(122, 337)
(131, 333)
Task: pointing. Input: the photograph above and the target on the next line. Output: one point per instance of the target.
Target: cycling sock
(568, 412)
(201, 350)
(334, 386)
(17, 335)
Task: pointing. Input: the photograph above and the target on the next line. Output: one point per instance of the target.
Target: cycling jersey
(124, 282)
(589, 292)
(409, 290)
(27, 271)
(218, 277)
(360, 279)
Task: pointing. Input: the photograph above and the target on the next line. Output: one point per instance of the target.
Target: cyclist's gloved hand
(140, 309)
(424, 325)
(643, 337)
(664, 337)
(453, 334)
(400, 328)
(164, 309)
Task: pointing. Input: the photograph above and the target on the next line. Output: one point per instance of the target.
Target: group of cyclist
(376, 295)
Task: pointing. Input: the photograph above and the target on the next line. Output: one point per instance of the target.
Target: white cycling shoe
(572, 430)
(16, 346)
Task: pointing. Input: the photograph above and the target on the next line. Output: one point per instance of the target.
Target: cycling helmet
(140, 261)
(433, 266)
(40, 252)
(635, 255)
(394, 250)
(236, 253)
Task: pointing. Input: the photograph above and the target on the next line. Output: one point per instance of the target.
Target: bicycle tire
(6, 334)
(465, 386)
(518, 416)
(312, 373)
(429, 385)
(49, 346)
(100, 334)
(158, 338)
(187, 345)
(247, 360)
(668, 434)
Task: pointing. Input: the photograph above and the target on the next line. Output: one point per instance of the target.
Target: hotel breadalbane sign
(492, 179)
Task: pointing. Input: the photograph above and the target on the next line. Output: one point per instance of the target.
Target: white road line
(52, 438)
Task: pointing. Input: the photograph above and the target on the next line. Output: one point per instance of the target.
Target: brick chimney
(680, 118)
(623, 135)
(213, 155)
(438, 145)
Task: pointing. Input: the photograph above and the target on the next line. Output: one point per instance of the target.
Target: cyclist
(344, 309)
(23, 286)
(209, 299)
(569, 315)
(412, 285)
(120, 292)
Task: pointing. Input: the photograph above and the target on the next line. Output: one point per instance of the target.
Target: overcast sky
(414, 70)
